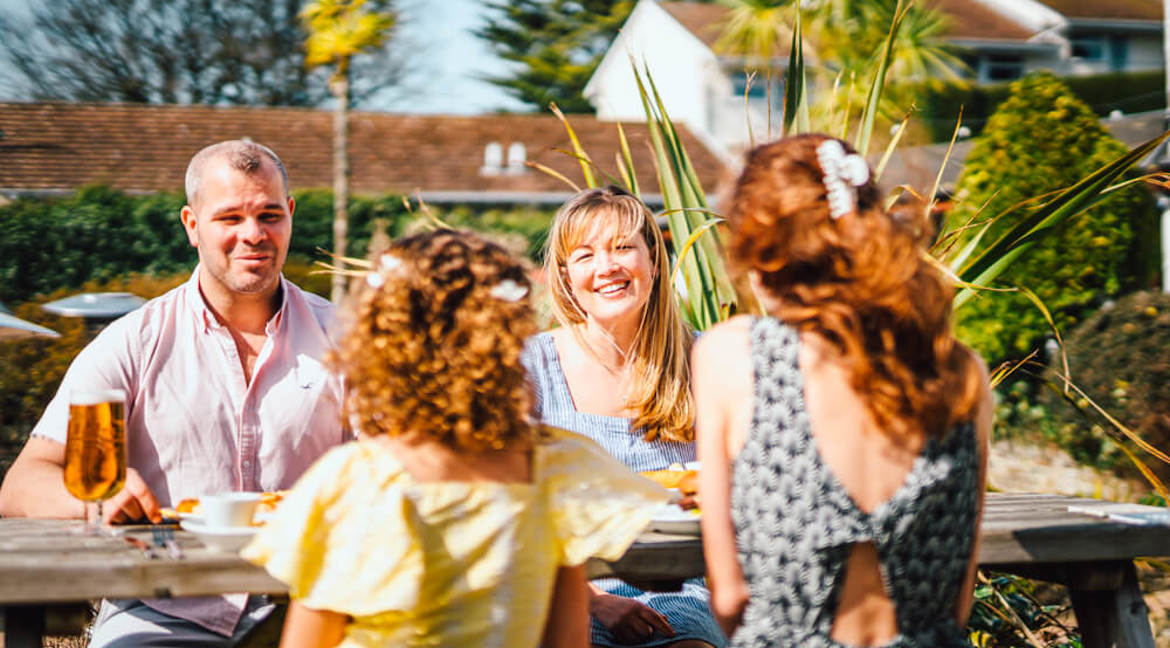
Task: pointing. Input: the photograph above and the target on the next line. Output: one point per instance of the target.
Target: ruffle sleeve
(341, 539)
(597, 505)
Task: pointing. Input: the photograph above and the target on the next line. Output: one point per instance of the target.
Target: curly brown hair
(433, 348)
(861, 281)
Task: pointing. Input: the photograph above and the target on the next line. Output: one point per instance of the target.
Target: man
(225, 389)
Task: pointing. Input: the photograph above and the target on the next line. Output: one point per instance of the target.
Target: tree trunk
(339, 86)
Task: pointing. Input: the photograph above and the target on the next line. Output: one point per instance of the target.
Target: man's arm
(35, 486)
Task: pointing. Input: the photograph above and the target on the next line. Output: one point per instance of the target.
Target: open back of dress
(796, 525)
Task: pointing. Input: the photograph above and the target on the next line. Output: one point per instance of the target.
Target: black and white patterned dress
(795, 523)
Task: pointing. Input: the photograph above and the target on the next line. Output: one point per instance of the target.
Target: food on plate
(190, 506)
(686, 481)
(269, 500)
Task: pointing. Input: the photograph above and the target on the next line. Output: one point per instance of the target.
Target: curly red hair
(861, 281)
(433, 348)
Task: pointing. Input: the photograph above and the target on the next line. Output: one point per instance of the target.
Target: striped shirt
(687, 610)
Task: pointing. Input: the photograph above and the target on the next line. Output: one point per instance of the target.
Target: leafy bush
(1042, 139)
(1129, 92)
(98, 233)
(95, 234)
(1120, 357)
(1005, 603)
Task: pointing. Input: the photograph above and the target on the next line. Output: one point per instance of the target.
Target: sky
(446, 62)
(450, 59)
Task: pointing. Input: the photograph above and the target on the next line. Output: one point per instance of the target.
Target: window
(1002, 67)
(517, 155)
(758, 89)
(1088, 47)
(1118, 52)
(757, 92)
(493, 159)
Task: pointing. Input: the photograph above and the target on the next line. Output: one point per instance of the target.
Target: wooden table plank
(41, 562)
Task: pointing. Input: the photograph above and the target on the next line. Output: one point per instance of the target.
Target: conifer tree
(1040, 140)
(555, 46)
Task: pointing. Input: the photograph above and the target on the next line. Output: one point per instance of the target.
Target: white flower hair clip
(387, 263)
(509, 290)
(842, 175)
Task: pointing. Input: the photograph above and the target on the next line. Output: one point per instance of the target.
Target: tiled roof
(702, 20)
(969, 19)
(1108, 9)
(55, 146)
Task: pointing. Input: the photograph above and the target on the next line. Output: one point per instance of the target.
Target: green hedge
(98, 233)
(940, 101)
(1041, 139)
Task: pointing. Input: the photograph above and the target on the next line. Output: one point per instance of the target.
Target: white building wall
(1145, 52)
(678, 61)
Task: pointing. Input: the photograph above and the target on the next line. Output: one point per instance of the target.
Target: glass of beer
(95, 450)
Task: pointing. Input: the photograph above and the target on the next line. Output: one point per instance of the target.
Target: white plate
(671, 518)
(228, 539)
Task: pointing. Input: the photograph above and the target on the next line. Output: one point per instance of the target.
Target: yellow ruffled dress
(449, 563)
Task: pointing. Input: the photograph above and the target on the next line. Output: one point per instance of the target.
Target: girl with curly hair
(844, 435)
(617, 371)
(452, 520)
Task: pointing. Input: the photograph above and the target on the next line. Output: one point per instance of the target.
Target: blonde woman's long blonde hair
(660, 389)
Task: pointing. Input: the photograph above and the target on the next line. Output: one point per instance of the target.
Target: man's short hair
(242, 155)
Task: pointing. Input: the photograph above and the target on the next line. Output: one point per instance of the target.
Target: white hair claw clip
(509, 290)
(842, 175)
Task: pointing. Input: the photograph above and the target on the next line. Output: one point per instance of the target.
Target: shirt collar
(207, 318)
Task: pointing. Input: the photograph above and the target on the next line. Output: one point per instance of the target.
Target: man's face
(241, 225)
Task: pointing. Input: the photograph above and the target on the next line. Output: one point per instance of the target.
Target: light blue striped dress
(688, 610)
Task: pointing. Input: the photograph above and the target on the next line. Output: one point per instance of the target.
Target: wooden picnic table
(43, 566)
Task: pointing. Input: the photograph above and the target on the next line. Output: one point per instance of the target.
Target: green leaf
(993, 261)
(626, 164)
(869, 115)
(582, 156)
(795, 96)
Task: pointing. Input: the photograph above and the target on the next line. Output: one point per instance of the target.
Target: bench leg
(1114, 617)
(24, 625)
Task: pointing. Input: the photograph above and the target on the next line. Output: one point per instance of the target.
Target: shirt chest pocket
(308, 375)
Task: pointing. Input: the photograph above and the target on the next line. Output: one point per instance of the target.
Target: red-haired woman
(844, 436)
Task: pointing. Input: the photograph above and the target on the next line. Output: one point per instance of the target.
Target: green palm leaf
(993, 261)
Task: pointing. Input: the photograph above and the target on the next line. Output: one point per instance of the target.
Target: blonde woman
(617, 371)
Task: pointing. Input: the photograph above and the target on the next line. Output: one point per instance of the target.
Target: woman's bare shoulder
(737, 328)
(725, 343)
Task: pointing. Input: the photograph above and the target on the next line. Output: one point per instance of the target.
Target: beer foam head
(96, 396)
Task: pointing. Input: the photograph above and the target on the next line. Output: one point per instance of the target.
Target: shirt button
(247, 463)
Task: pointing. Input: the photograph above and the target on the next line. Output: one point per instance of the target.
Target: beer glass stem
(93, 523)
